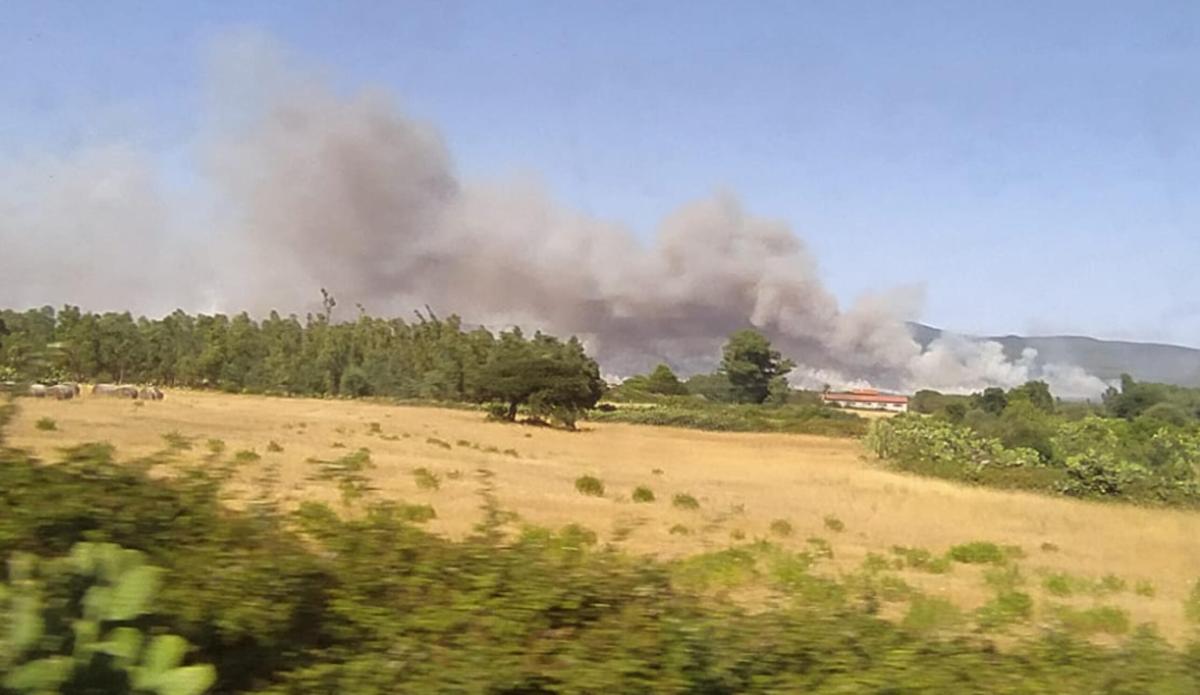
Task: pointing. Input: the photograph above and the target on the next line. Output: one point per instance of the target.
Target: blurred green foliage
(316, 602)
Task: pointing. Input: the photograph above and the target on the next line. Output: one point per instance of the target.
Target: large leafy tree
(553, 379)
(750, 364)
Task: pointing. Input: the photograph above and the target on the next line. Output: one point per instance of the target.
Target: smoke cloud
(312, 188)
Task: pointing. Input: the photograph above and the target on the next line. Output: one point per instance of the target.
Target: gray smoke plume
(314, 189)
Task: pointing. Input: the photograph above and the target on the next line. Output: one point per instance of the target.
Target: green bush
(426, 479)
(643, 494)
(1191, 605)
(246, 456)
(1007, 608)
(1108, 620)
(102, 621)
(781, 528)
(834, 524)
(589, 485)
(978, 553)
(274, 447)
(931, 614)
(177, 442)
(46, 424)
(683, 500)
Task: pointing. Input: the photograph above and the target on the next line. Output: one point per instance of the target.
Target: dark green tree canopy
(663, 381)
(750, 363)
(553, 379)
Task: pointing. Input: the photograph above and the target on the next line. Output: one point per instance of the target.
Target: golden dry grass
(742, 481)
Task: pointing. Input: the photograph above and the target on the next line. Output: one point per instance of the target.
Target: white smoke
(318, 189)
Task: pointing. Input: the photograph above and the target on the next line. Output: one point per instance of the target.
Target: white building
(867, 399)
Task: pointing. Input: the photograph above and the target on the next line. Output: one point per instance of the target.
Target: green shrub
(724, 569)
(1108, 620)
(931, 614)
(1144, 588)
(589, 485)
(683, 500)
(416, 513)
(216, 447)
(819, 547)
(1048, 547)
(1191, 605)
(781, 528)
(834, 524)
(1111, 584)
(874, 562)
(426, 479)
(374, 428)
(274, 447)
(922, 559)
(643, 494)
(246, 456)
(680, 530)
(177, 442)
(46, 424)
(1006, 608)
(978, 553)
(1062, 584)
(106, 621)
(1005, 578)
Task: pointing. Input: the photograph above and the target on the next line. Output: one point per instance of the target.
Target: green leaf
(27, 625)
(134, 592)
(87, 633)
(83, 558)
(189, 680)
(41, 674)
(123, 644)
(20, 567)
(96, 603)
(164, 653)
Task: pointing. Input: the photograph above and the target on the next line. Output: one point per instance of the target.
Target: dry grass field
(743, 483)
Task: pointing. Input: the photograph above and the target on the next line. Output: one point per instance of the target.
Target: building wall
(860, 405)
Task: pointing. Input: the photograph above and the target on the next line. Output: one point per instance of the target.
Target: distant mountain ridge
(1107, 359)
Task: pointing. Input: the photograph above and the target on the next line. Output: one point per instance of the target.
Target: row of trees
(428, 357)
(751, 371)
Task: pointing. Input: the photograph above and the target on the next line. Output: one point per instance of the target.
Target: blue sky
(1035, 165)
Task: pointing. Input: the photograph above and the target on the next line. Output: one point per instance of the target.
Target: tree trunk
(512, 411)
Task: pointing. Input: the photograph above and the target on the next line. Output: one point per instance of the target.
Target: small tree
(993, 400)
(663, 381)
(750, 364)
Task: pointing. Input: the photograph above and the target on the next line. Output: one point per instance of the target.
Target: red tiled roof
(861, 397)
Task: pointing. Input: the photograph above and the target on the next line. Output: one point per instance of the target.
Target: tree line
(428, 357)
